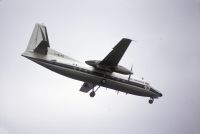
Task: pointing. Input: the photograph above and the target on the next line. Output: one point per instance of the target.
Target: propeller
(131, 73)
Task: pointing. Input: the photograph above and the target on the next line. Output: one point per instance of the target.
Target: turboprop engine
(117, 69)
(122, 70)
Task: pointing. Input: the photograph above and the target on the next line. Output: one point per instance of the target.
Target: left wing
(113, 58)
(86, 87)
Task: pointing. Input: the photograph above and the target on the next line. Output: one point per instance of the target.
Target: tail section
(39, 41)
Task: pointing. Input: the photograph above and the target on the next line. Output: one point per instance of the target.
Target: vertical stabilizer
(39, 41)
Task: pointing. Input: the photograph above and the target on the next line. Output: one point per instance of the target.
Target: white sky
(166, 53)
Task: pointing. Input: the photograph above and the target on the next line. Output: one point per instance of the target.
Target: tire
(151, 101)
(92, 94)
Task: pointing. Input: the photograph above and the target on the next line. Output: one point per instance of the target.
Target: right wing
(86, 87)
(113, 58)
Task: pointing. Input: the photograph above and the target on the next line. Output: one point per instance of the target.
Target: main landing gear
(151, 100)
(92, 94)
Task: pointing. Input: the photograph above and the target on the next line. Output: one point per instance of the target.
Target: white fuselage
(74, 69)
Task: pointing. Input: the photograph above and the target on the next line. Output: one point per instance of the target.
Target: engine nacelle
(117, 69)
(122, 70)
(93, 63)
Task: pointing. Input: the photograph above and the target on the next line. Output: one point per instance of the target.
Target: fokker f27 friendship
(94, 72)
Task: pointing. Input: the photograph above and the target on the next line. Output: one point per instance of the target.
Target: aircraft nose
(160, 94)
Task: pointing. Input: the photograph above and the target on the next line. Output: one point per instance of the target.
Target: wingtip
(127, 39)
(40, 25)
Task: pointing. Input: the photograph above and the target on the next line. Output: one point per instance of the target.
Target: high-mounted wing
(86, 87)
(113, 58)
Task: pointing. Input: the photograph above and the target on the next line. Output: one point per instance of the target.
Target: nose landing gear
(151, 100)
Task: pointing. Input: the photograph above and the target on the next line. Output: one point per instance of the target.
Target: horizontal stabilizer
(39, 41)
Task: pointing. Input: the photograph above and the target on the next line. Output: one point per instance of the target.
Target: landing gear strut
(151, 100)
(92, 94)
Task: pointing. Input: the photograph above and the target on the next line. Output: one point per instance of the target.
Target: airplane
(94, 73)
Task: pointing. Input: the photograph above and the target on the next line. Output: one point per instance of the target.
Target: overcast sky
(34, 100)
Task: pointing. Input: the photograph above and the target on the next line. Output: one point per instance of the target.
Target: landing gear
(92, 94)
(151, 100)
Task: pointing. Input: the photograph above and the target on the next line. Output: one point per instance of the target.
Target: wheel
(103, 81)
(92, 94)
(151, 101)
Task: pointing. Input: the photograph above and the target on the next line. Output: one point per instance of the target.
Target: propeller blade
(130, 74)
(132, 68)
